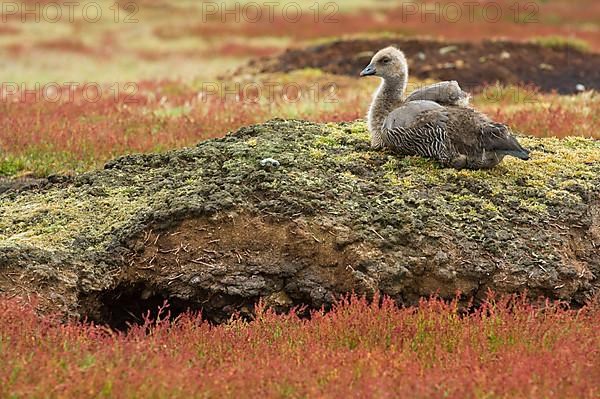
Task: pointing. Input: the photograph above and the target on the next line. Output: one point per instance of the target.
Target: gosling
(456, 136)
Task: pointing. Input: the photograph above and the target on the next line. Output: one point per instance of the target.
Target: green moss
(324, 168)
(317, 153)
(55, 218)
(348, 133)
(325, 141)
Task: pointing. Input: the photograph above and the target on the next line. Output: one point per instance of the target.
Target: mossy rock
(211, 228)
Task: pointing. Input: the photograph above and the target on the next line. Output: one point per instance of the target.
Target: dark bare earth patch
(473, 65)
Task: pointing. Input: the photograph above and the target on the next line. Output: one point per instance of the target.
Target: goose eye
(385, 60)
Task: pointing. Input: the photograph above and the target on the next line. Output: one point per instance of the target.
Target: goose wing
(444, 93)
(418, 128)
(415, 113)
(472, 132)
(456, 136)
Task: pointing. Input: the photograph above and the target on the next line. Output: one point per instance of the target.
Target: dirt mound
(212, 228)
(473, 65)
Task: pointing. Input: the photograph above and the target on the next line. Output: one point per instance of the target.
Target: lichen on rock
(210, 227)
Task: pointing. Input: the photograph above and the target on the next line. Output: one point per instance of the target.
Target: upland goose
(443, 93)
(458, 137)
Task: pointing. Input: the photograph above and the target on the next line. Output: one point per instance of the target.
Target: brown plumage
(456, 136)
(443, 93)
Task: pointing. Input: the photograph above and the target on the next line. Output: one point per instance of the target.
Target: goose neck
(393, 88)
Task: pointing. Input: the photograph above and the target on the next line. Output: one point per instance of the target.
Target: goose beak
(368, 71)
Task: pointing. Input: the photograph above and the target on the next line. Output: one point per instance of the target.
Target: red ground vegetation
(554, 120)
(68, 45)
(238, 49)
(76, 133)
(507, 348)
(8, 30)
(79, 132)
(448, 19)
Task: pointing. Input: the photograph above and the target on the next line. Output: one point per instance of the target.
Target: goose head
(389, 64)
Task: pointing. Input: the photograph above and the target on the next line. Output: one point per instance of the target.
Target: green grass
(562, 42)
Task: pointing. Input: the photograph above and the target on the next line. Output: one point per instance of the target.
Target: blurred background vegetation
(146, 65)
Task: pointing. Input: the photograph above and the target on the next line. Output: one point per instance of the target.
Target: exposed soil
(217, 264)
(210, 228)
(473, 65)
